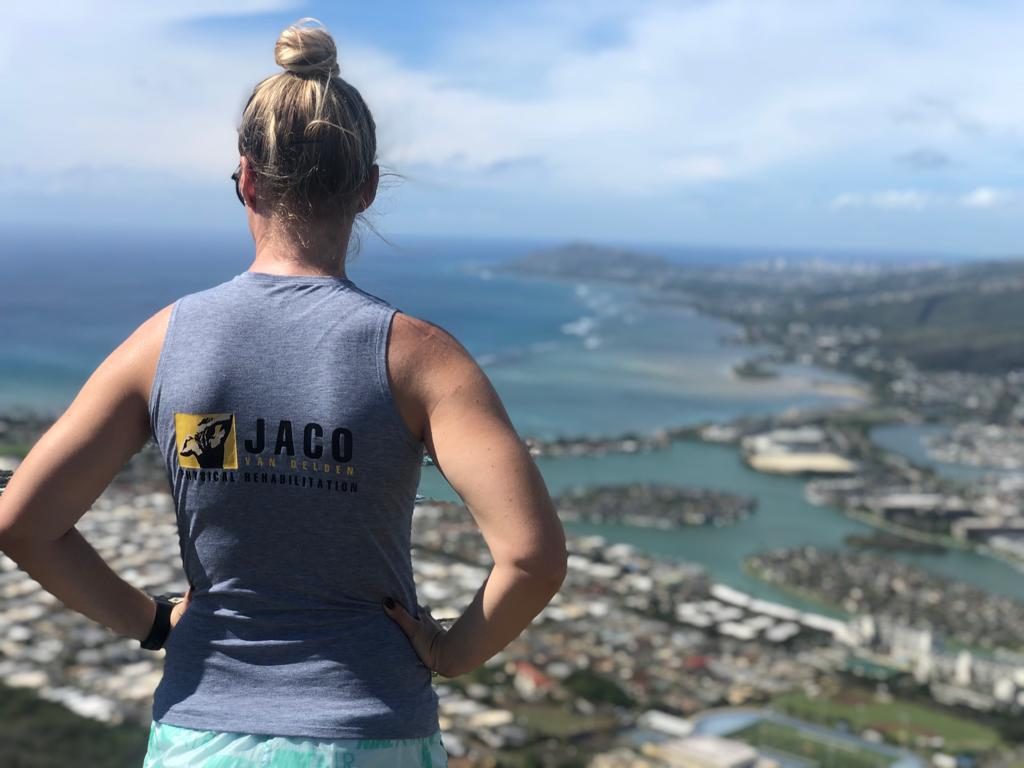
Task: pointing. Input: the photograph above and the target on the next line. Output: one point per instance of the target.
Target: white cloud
(901, 200)
(688, 94)
(111, 84)
(985, 197)
(889, 199)
(919, 200)
(848, 200)
(709, 91)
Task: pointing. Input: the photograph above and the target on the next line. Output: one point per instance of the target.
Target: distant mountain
(967, 316)
(588, 261)
(963, 317)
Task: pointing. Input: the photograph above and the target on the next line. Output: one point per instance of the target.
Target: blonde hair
(308, 135)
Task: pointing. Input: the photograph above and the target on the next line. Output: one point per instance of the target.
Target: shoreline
(633, 443)
(659, 439)
(806, 596)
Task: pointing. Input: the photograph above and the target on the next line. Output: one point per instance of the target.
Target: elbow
(557, 563)
(10, 533)
(6, 535)
(11, 544)
(559, 570)
(543, 560)
(544, 572)
(555, 559)
(16, 539)
(24, 526)
(551, 570)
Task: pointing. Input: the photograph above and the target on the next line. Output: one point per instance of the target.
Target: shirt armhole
(154, 392)
(383, 338)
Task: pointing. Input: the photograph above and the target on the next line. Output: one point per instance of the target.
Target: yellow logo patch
(206, 440)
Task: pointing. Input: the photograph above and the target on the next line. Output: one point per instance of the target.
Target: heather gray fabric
(294, 476)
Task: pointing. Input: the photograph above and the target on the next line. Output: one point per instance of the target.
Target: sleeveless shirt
(294, 477)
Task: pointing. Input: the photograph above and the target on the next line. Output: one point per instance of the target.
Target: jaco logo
(206, 440)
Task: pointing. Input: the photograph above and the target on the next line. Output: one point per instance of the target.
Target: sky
(893, 126)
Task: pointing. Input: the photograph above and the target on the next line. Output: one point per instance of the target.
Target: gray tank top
(294, 477)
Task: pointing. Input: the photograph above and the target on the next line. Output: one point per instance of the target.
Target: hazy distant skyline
(844, 125)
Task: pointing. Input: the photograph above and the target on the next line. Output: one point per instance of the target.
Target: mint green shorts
(171, 746)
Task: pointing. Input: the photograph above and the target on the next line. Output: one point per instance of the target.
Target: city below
(643, 660)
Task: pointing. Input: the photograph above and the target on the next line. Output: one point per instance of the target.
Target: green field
(825, 753)
(901, 722)
(17, 450)
(560, 721)
(41, 734)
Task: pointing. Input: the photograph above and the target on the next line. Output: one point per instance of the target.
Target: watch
(161, 622)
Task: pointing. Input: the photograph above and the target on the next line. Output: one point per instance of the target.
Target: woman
(292, 409)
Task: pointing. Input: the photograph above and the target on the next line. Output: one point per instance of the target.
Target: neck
(315, 251)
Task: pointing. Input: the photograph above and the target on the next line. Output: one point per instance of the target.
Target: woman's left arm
(64, 473)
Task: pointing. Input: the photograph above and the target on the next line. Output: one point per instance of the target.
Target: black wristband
(161, 625)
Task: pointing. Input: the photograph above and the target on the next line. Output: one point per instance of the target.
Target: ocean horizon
(567, 357)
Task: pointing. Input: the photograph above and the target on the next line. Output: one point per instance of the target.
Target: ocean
(568, 358)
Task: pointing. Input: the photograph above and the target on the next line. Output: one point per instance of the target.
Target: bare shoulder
(127, 372)
(137, 356)
(149, 336)
(413, 336)
(476, 448)
(156, 324)
(106, 424)
(423, 356)
(434, 377)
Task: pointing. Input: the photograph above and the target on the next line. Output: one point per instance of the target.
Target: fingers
(395, 610)
(423, 632)
(430, 625)
(180, 606)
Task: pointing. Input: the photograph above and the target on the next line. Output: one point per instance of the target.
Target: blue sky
(844, 125)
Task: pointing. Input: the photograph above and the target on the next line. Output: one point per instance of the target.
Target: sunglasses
(236, 177)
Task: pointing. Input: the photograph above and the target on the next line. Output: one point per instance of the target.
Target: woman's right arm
(445, 397)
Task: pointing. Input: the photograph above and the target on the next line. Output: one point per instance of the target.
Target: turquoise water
(567, 358)
(65, 304)
(783, 518)
(909, 440)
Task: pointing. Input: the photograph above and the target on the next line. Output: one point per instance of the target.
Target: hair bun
(307, 48)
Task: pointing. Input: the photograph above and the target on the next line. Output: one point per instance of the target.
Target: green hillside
(41, 734)
(968, 318)
(961, 317)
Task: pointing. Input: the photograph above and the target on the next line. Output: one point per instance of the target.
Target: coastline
(624, 593)
(604, 444)
(833, 611)
(860, 392)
